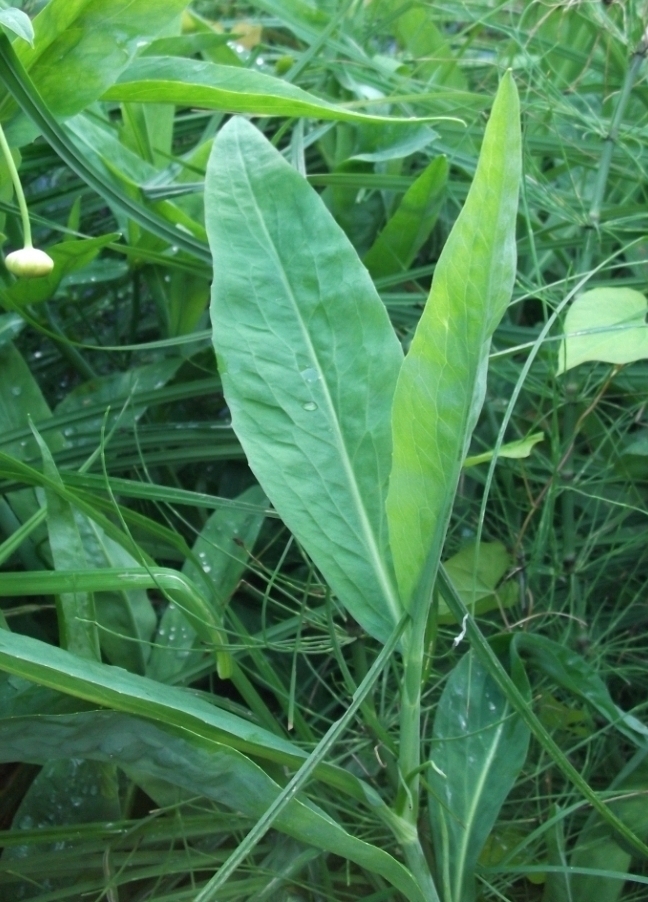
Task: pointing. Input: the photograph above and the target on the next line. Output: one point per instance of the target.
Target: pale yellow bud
(29, 263)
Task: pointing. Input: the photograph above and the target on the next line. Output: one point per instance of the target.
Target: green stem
(608, 148)
(20, 194)
(409, 760)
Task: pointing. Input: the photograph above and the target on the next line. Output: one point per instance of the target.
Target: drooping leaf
(478, 748)
(405, 233)
(202, 768)
(81, 46)
(574, 673)
(607, 324)
(512, 450)
(309, 361)
(18, 22)
(112, 687)
(442, 381)
(229, 88)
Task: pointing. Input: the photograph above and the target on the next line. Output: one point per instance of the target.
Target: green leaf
(308, 361)
(512, 450)
(20, 398)
(126, 619)
(442, 381)
(68, 256)
(571, 671)
(119, 393)
(399, 242)
(478, 748)
(10, 325)
(222, 550)
(112, 687)
(64, 793)
(81, 46)
(22, 89)
(607, 324)
(201, 768)
(596, 846)
(229, 88)
(475, 577)
(18, 22)
(76, 610)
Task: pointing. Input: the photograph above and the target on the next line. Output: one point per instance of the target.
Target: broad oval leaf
(441, 384)
(606, 324)
(308, 361)
(479, 745)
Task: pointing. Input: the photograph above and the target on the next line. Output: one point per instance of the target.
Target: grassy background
(115, 368)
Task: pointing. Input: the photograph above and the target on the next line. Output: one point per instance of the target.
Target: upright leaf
(479, 746)
(77, 617)
(402, 238)
(441, 384)
(309, 362)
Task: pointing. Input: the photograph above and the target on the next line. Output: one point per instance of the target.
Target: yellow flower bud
(29, 263)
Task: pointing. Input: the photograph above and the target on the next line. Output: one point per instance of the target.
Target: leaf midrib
(371, 543)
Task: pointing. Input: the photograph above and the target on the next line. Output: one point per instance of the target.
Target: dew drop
(310, 405)
(16, 390)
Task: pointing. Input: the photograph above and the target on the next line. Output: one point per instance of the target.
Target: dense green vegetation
(314, 622)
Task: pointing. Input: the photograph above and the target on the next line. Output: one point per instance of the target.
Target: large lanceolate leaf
(309, 362)
(200, 769)
(441, 384)
(196, 83)
(478, 748)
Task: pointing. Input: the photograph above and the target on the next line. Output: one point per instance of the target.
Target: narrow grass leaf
(77, 616)
(22, 89)
(442, 382)
(309, 362)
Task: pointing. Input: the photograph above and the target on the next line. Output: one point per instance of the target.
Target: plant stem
(410, 722)
(594, 215)
(20, 194)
